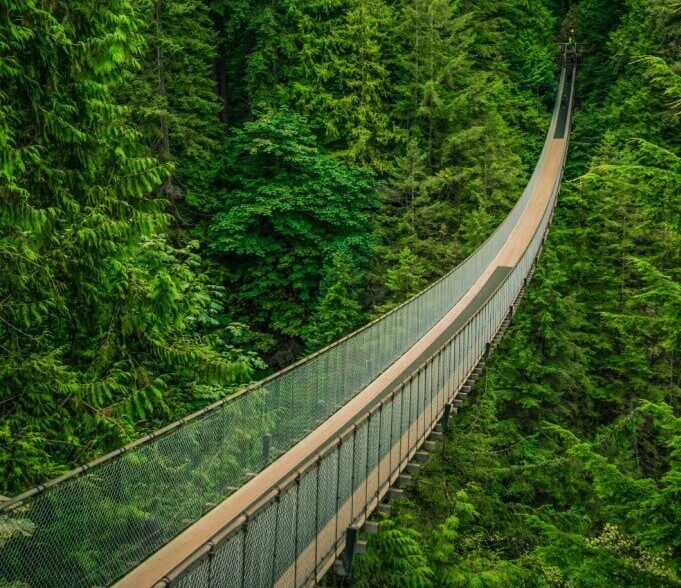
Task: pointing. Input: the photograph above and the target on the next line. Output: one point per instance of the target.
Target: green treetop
(283, 211)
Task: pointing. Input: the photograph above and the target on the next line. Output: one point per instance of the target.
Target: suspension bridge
(271, 486)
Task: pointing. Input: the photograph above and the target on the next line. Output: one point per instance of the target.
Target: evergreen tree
(341, 84)
(172, 93)
(339, 310)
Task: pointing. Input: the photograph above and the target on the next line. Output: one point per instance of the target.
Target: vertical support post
(349, 551)
(488, 350)
(390, 443)
(510, 315)
(296, 531)
(316, 520)
(276, 539)
(445, 417)
(244, 530)
(378, 452)
(338, 475)
(211, 557)
(366, 469)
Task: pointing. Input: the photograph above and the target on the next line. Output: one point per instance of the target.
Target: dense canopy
(195, 193)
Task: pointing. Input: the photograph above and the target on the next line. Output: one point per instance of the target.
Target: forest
(197, 193)
(566, 468)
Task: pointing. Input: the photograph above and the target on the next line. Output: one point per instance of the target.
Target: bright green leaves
(396, 559)
(284, 214)
(104, 324)
(665, 78)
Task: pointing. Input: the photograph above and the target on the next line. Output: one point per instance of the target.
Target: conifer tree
(173, 92)
(259, 45)
(436, 70)
(339, 310)
(341, 84)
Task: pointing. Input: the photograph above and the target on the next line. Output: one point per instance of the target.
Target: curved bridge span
(269, 487)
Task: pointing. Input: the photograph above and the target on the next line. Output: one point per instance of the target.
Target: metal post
(316, 521)
(211, 557)
(338, 465)
(244, 530)
(390, 443)
(366, 470)
(276, 538)
(445, 417)
(349, 551)
(296, 533)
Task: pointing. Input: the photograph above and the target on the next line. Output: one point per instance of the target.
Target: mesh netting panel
(413, 401)
(197, 576)
(328, 482)
(227, 567)
(286, 531)
(360, 454)
(260, 544)
(374, 429)
(345, 469)
(386, 426)
(404, 410)
(307, 509)
(397, 419)
(307, 526)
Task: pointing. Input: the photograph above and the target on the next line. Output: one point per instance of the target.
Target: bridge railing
(294, 534)
(90, 526)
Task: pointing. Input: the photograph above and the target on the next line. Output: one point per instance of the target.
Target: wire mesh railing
(91, 526)
(340, 486)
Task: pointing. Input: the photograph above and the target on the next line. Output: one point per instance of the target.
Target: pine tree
(436, 69)
(258, 46)
(341, 84)
(339, 310)
(172, 93)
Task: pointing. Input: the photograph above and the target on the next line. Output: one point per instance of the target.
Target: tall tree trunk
(220, 68)
(161, 88)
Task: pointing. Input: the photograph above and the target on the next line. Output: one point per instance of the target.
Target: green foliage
(172, 94)
(395, 560)
(355, 151)
(372, 145)
(284, 213)
(464, 150)
(339, 311)
(100, 320)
